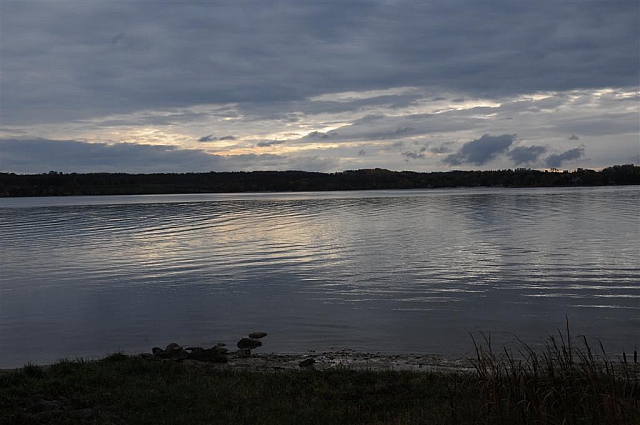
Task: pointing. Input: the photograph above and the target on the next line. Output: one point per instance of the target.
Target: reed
(566, 382)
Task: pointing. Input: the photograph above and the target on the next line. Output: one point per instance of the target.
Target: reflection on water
(386, 271)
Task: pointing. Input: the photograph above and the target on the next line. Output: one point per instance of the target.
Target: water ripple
(395, 263)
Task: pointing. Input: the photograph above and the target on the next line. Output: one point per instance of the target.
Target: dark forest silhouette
(56, 184)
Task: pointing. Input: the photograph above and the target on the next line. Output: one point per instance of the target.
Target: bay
(378, 271)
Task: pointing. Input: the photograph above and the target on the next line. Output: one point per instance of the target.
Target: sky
(193, 86)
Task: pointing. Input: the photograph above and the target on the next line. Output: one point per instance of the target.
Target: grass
(563, 384)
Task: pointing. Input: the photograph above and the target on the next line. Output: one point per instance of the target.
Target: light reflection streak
(624, 307)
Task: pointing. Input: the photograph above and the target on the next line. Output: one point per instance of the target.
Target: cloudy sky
(146, 86)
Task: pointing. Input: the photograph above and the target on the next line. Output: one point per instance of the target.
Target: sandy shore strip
(350, 359)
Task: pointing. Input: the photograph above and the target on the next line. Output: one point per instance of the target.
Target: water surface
(388, 271)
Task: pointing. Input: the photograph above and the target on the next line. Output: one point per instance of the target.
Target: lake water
(377, 271)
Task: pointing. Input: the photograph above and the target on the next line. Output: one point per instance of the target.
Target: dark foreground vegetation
(561, 385)
(57, 184)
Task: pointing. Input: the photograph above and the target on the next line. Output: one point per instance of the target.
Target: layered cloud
(36, 155)
(337, 83)
(143, 55)
(212, 138)
(268, 143)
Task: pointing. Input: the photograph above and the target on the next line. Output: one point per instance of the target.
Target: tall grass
(566, 382)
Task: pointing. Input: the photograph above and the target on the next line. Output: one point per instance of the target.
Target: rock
(173, 347)
(257, 335)
(220, 344)
(156, 350)
(306, 363)
(249, 343)
(173, 352)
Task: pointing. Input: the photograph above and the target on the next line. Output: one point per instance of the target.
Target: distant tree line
(63, 184)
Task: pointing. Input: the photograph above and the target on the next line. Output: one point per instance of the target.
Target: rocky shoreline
(220, 357)
(244, 358)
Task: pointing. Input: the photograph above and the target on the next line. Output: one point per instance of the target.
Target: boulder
(248, 343)
(173, 352)
(156, 350)
(173, 347)
(257, 335)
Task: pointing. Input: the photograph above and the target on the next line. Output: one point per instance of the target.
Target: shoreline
(325, 360)
(338, 387)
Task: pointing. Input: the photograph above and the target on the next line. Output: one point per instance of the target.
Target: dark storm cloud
(316, 135)
(212, 138)
(574, 137)
(482, 150)
(417, 154)
(207, 138)
(61, 60)
(526, 154)
(414, 155)
(267, 143)
(41, 155)
(557, 160)
(443, 148)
